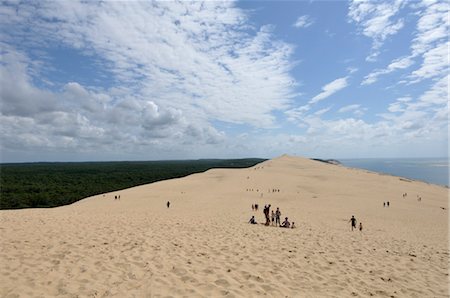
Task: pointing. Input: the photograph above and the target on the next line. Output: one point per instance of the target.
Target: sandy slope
(203, 246)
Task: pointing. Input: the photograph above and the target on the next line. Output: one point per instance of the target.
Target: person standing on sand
(277, 217)
(168, 204)
(266, 214)
(353, 220)
(273, 217)
(360, 226)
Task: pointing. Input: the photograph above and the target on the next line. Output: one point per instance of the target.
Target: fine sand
(202, 246)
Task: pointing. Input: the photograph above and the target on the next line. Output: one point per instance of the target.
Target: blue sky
(175, 80)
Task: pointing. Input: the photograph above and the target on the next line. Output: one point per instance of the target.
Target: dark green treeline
(35, 185)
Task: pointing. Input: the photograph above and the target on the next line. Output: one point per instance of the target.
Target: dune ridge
(202, 245)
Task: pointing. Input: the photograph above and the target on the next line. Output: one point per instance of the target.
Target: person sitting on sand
(252, 220)
(286, 223)
(353, 220)
(293, 225)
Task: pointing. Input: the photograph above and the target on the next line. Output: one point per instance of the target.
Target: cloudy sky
(181, 80)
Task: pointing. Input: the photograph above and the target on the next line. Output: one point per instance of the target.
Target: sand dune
(202, 245)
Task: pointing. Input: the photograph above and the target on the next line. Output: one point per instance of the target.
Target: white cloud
(377, 20)
(355, 109)
(329, 89)
(303, 22)
(431, 41)
(432, 27)
(176, 68)
(322, 111)
(435, 63)
(400, 63)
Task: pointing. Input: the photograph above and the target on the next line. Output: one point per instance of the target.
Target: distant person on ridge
(168, 204)
(353, 220)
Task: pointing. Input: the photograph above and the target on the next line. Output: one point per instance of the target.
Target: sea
(431, 170)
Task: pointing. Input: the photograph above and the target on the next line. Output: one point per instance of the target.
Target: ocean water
(431, 170)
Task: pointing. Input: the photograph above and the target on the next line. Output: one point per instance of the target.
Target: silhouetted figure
(266, 214)
(278, 217)
(286, 223)
(252, 220)
(353, 220)
(168, 204)
(293, 225)
(387, 203)
(360, 226)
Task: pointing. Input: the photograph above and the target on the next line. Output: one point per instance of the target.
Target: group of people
(386, 204)
(274, 217)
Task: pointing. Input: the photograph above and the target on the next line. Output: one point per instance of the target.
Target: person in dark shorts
(353, 221)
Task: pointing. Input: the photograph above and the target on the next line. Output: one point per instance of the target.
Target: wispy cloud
(377, 20)
(355, 109)
(435, 63)
(303, 22)
(400, 63)
(329, 89)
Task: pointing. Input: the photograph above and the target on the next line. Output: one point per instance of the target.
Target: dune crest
(202, 246)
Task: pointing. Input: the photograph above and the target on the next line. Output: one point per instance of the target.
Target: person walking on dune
(353, 220)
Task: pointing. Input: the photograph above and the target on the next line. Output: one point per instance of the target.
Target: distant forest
(37, 185)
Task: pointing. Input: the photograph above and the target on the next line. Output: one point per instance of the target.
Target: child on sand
(273, 217)
(293, 225)
(360, 226)
(252, 220)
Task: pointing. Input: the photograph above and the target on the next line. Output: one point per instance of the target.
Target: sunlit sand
(203, 245)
